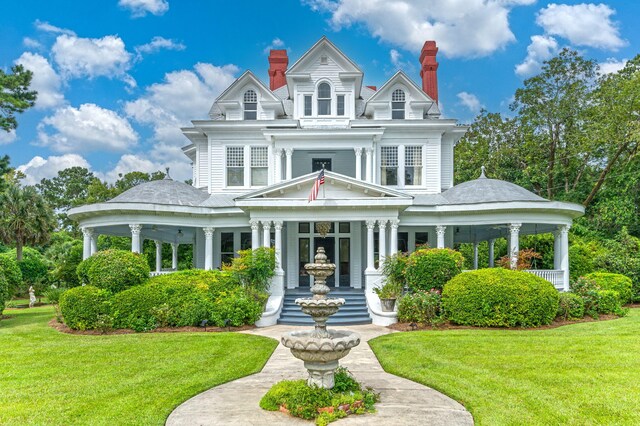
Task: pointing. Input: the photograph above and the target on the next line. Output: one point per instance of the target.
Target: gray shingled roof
(484, 190)
(220, 200)
(165, 191)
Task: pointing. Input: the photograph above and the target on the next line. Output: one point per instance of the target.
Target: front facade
(388, 157)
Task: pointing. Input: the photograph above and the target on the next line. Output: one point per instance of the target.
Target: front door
(329, 244)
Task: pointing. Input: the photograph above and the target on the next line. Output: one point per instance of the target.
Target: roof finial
(166, 176)
(482, 176)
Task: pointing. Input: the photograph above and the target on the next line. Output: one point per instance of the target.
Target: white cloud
(470, 101)
(45, 80)
(88, 128)
(395, 56)
(140, 8)
(276, 43)
(462, 28)
(92, 57)
(183, 96)
(612, 65)
(48, 28)
(31, 43)
(542, 48)
(179, 169)
(158, 43)
(7, 137)
(39, 168)
(582, 24)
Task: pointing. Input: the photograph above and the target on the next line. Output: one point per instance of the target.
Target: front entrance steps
(354, 311)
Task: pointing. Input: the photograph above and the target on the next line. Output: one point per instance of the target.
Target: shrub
(622, 256)
(393, 268)
(216, 281)
(432, 268)
(82, 306)
(235, 309)
(390, 290)
(526, 257)
(422, 306)
(617, 282)
(570, 306)
(53, 295)
(609, 302)
(67, 258)
(132, 308)
(254, 268)
(499, 298)
(114, 270)
(588, 290)
(187, 304)
(4, 292)
(12, 273)
(33, 270)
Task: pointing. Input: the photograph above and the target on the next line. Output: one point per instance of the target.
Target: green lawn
(580, 374)
(48, 377)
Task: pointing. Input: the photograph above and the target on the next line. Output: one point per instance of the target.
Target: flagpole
(323, 194)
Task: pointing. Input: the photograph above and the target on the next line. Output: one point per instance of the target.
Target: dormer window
(397, 104)
(250, 105)
(324, 99)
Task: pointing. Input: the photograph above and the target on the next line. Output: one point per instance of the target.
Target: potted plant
(388, 294)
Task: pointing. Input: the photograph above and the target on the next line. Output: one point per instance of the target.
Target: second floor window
(340, 104)
(389, 165)
(324, 99)
(259, 165)
(235, 166)
(250, 105)
(397, 105)
(413, 165)
(307, 105)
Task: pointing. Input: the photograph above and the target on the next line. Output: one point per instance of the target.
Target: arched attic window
(324, 99)
(397, 104)
(250, 105)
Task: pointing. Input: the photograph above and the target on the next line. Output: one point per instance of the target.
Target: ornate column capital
(369, 151)
(514, 228)
(158, 243)
(135, 229)
(208, 231)
(371, 224)
(266, 224)
(358, 151)
(440, 230)
(278, 152)
(394, 224)
(255, 224)
(563, 230)
(277, 225)
(87, 231)
(382, 224)
(175, 245)
(289, 152)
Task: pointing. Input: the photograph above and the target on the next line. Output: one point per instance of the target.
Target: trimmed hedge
(616, 282)
(113, 270)
(84, 307)
(422, 306)
(500, 298)
(570, 306)
(432, 268)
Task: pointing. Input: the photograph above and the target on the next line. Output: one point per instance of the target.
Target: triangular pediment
(232, 97)
(337, 188)
(413, 92)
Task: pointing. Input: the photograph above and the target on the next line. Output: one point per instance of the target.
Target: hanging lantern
(323, 228)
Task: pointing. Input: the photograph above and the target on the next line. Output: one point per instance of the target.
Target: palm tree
(25, 217)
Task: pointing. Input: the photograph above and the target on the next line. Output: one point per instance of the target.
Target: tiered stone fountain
(320, 349)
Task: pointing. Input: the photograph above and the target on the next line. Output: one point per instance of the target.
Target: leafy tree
(25, 218)
(5, 171)
(15, 96)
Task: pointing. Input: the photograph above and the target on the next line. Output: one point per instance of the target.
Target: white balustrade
(554, 276)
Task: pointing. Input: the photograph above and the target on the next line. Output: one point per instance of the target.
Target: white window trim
(401, 165)
(247, 166)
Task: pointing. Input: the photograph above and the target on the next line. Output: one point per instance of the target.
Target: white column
(208, 248)
(255, 236)
(135, 237)
(514, 243)
(158, 255)
(369, 164)
(289, 153)
(358, 152)
(174, 256)
(382, 240)
(94, 243)
(87, 234)
(394, 236)
(370, 258)
(475, 255)
(266, 233)
(563, 232)
(440, 230)
(278, 157)
(277, 225)
(492, 243)
(557, 239)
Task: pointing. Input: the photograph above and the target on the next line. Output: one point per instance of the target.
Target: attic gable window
(397, 104)
(250, 105)
(324, 99)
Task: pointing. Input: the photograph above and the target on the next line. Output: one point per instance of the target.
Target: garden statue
(32, 296)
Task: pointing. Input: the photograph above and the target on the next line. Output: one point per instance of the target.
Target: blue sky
(117, 78)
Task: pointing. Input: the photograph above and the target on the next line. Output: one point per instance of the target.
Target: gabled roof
(349, 68)
(231, 96)
(382, 95)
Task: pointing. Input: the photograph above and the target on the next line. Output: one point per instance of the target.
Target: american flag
(316, 186)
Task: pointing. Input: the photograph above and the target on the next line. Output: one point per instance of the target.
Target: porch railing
(554, 276)
(163, 272)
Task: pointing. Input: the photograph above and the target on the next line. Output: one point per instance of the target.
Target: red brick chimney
(429, 70)
(278, 62)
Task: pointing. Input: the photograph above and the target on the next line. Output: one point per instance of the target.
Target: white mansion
(389, 159)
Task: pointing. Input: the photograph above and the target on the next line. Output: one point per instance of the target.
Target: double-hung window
(397, 104)
(324, 99)
(259, 165)
(250, 105)
(340, 104)
(235, 166)
(413, 165)
(389, 165)
(307, 105)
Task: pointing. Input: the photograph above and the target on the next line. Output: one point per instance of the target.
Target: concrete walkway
(402, 402)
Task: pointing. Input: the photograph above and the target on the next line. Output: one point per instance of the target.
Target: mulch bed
(64, 329)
